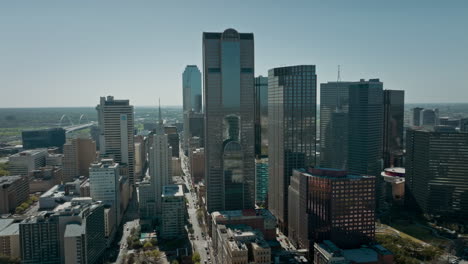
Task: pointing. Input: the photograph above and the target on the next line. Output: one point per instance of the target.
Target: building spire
(160, 125)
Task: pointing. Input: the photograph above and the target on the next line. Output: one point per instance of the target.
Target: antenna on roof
(338, 79)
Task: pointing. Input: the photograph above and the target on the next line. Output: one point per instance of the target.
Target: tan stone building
(14, 190)
(79, 153)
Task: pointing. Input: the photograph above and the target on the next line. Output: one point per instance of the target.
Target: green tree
(19, 210)
(196, 257)
(147, 245)
(175, 262)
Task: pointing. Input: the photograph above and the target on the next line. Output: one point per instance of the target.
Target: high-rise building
(321, 209)
(160, 160)
(116, 132)
(79, 153)
(436, 165)
(9, 239)
(26, 161)
(228, 72)
(173, 211)
(173, 139)
(14, 190)
(334, 110)
(44, 138)
(197, 165)
(261, 116)
(192, 98)
(365, 134)
(464, 124)
(292, 102)
(197, 127)
(429, 117)
(394, 110)
(261, 181)
(416, 116)
(104, 184)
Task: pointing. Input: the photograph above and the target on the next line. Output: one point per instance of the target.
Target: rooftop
(172, 190)
(12, 229)
(7, 180)
(4, 223)
(74, 230)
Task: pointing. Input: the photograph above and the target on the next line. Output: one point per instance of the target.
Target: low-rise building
(260, 219)
(14, 190)
(26, 161)
(9, 238)
(328, 253)
(173, 211)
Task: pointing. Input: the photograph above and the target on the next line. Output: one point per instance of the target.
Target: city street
(127, 228)
(199, 243)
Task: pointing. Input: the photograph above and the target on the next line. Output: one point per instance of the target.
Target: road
(127, 228)
(199, 245)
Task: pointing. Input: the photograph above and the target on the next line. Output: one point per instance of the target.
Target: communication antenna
(339, 74)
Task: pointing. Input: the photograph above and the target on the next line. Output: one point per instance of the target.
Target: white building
(173, 211)
(24, 162)
(104, 184)
(116, 132)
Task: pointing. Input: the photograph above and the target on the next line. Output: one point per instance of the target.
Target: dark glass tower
(394, 110)
(292, 94)
(436, 166)
(228, 83)
(261, 116)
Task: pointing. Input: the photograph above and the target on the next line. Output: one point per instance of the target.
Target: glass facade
(292, 129)
(261, 116)
(394, 110)
(261, 181)
(228, 63)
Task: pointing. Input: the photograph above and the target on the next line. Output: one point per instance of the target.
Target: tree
(19, 210)
(147, 245)
(196, 257)
(153, 241)
(175, 262)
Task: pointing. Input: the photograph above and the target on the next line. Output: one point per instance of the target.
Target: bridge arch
(68, 118)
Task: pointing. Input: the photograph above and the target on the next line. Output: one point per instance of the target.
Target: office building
(429, 117)
(365, 134)
(104, 182)
(78, 153)
(394, 184)
(228, 81)
(146, 199)
(14, 190)
(261, 181)
(9, 239)
(261, 116)
(54, 160)
(73, 229)
(394, 110)
(292, 94)
(140, 159)
(334, 111)
(160, 161)
(173, 211)
(464, 124)
(328, 253)
(173, 139)
(416, 116)
(192, 98)
(115, 118)
(26, 161)
(436, 165)
(197, 128)
(320, 208)
(44, 138)
(197, 165)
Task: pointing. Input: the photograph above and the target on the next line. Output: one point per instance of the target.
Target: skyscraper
(44, 138)
(160, 158)
(192, 98)
(436, 166)
(116, 139)
(292, 94)
(79, 153)
(261, 116)
(394, 110)
(334, 110)
(365, 136)
(429, 117)
(416, 116)
(228, 72)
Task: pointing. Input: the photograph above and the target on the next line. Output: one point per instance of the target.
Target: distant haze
(69, 53)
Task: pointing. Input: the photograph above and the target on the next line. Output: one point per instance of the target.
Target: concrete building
(328, 253)
(228, 74)
(140, 159)
(416, 116)
(259, 219)
(146, 199)
(14, 190)
(54, 160)
(429, 117)
(261, 116)
(24, 162)
(292, 103)
(85, 189)
(394, 110)
(48, 237)
(9, 238)
(45, 178)
(192, 98)
(320, 209)
(173, 212)
(395, 184)
(197, 165)
(79, 153)
(104, 181)
(160, 161)
(116, 127)
(436, 165)
(109, 224)
(44, 138)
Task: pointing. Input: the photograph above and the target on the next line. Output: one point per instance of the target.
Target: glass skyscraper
(292, 94)
(394, 110)
(192, 99)
(261, 116)
(228, 79)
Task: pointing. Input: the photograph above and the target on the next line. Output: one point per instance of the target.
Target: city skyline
(45, 51)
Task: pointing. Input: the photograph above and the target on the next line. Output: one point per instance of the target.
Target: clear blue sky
(68, 53)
